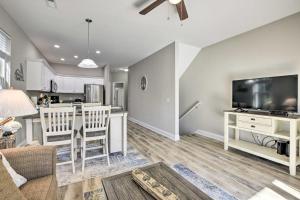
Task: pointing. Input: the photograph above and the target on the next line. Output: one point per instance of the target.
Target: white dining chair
(76, 128)
(92, 104)
(58, 105)
(95, 123)
(58, 129)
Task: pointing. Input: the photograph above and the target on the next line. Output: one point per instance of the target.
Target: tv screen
(270, 94)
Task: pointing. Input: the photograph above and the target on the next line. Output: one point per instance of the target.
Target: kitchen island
(117, 133)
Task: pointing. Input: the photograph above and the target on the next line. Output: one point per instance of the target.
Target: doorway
(118, 95)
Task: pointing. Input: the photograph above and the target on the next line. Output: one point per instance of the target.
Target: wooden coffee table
(122, 187)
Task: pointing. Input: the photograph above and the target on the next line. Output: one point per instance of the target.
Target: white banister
(195, 106)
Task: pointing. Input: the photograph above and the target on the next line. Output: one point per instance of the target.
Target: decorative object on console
(19, 73)
(87, 62)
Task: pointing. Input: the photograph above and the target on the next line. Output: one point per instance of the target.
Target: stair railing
(191, 109)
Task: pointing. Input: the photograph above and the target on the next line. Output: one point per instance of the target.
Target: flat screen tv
(268, 94)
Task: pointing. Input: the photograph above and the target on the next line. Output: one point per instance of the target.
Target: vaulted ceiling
(124, 37)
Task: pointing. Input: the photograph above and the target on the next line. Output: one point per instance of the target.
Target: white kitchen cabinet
(60, 83)
(66, 84)
(38, 75)
(79, 85)
(48, 76)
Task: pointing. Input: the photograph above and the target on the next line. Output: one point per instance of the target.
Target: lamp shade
(87, 63)
(15, 103)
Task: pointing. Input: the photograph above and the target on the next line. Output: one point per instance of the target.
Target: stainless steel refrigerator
(94, 93)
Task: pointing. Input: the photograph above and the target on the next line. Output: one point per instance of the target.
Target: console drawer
(252, 126)
(255, 120)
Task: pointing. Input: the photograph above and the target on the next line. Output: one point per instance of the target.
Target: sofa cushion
(8, 189)
(43, 188)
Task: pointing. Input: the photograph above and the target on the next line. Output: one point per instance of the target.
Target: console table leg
(226, 134)
(237, 134)
(293, 147)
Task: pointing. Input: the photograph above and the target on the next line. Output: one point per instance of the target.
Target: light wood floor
(240, 174)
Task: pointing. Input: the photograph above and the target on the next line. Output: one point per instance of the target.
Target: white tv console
(284, 128)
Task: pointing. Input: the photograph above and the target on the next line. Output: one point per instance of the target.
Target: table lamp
(14, 103)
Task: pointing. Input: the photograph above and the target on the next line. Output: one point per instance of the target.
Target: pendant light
(174, 1)
(87, 62)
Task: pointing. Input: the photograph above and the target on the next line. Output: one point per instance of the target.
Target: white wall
(155, 107)
(184, 56)
(271, 50)
(22, 48)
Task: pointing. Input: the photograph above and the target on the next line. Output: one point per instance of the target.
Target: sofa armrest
(8, 189)
(33, 161)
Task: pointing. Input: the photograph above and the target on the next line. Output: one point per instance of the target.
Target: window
(5, 54)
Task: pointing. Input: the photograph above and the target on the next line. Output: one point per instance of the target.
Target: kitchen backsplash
(62, 97)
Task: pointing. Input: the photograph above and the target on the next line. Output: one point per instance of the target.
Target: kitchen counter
(117, 130)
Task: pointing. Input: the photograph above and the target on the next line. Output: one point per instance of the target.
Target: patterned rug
(98, 167)
(208, 188)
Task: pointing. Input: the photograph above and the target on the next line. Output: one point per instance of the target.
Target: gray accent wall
(154, 107)
(22, 48)
(272, 50)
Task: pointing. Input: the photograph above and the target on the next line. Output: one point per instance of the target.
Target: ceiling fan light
(174, 1)
(87, 63)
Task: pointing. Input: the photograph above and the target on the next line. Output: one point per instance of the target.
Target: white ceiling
(124, 37)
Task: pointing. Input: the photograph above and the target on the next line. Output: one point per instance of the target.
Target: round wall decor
(144, 83)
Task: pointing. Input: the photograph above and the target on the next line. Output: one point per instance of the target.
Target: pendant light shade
(87, 62)
(174, 1)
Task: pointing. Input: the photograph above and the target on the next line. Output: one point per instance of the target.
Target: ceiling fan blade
(151, 6)
(181, 9)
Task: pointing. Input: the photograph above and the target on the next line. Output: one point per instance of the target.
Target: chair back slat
(95, 118)
(59, 105)
(56, 121)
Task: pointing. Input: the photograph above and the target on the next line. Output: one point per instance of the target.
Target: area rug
(208, 188)
(98, 167)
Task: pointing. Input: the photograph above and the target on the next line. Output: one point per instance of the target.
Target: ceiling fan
(180, 5)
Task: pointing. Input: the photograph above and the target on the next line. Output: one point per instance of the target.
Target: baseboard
(154, 129)
(211, 135)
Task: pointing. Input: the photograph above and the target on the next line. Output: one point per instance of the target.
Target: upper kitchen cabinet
(68, 84)
(39, 75)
